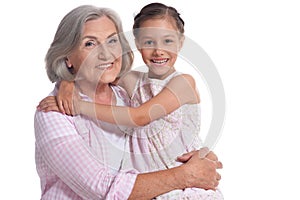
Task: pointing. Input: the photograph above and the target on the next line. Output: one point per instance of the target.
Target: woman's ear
(68, 63)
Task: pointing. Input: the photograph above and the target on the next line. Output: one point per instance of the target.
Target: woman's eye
(112, 41)
(90, 43)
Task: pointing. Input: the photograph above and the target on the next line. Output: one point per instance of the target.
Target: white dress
(156, 145)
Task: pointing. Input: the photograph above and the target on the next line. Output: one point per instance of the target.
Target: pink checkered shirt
(80, 158)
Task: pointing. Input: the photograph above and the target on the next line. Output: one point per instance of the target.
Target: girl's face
(98, 58)
(159, 42)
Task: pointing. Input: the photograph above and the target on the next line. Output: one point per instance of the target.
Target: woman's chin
(107, 79)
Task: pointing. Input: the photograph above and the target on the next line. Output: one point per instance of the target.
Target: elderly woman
(80, 158)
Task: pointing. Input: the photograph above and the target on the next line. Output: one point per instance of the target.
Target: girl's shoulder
(183, 77)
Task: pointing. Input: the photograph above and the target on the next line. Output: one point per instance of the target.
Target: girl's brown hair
(156, 11)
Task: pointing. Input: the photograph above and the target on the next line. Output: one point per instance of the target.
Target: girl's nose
(158, 51)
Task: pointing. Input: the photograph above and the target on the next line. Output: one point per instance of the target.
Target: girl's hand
(64, 102)
(48, 104)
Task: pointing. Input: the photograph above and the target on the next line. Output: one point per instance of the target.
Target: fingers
(216, 182)
(185, 157)
(65, 106)
(52, 103)
(46, 103)
(213, 184)
(48, 106)
(219, 165)
(212, 156)
(46, 100)
(214, 177)
(203, 171)
(72, 110)
(218, 177)
(60, 105)
(51, 108)
(203, 152)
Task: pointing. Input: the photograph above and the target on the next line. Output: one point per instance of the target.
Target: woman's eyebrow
(89, 37)
(113, 34)
(95, 38)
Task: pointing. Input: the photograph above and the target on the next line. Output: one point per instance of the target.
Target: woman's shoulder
(122, 98)
(132, 75)
(129, 81)
(51, 117)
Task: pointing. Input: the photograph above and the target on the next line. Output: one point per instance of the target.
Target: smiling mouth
(159, 61)
(105, 66)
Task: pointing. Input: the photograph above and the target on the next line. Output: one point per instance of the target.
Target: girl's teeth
(160, 61)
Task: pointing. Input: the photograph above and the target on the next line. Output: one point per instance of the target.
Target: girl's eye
(148, 43)
(168, 41)
(90, 43)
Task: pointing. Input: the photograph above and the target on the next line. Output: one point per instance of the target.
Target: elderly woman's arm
(196, 172)
(68, 156)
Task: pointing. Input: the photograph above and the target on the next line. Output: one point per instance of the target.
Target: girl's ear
(181, 41)
(137, 44)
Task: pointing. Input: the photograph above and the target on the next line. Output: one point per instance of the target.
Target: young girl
(165, 111)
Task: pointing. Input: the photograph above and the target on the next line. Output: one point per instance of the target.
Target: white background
(255, 46)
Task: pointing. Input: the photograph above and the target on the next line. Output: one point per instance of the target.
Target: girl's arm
(63, 102)
(64, 97)
(179, 91)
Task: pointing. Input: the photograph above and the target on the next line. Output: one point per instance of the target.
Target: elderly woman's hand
(201, 172)
(203, 153)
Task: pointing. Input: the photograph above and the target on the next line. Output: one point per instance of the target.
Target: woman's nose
(103, 52)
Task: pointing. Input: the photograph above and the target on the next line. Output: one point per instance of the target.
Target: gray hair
(68, 36)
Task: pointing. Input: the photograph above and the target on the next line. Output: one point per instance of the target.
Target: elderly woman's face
(99, 55)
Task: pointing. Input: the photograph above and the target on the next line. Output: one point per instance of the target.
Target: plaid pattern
(78, 158)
